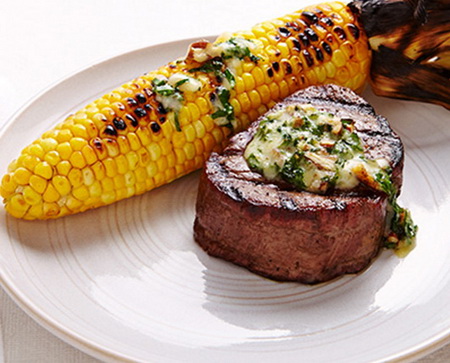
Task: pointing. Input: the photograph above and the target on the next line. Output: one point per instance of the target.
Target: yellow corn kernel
(339, 58)
(36, 150)
(135, 144)
(75, 177)
(44, 170)
(63, 167)
(189, 150)
(61, 184)
(49, 144)
(107, 184)
(21, 176)
(31, 196)
(73, 204)
(124, 146)
(249, 81)
(240, 85)
(64, 150)
(77, 160)
(99, 170)
(36, 211)
(30, 161)
(152, 169)
(189, 132)
(38, 183)
(52, 157)
(110, 167)
(17, 206)
(130, 179)
(154, 150)
(112, 148)
(141, 174)
(88, 176)
(63, 136)
(95, 189)
(122, 164)
(77, 143)
(119, 182)
(51, 210)
(81, 193)
(51, 194)
(108, 197)
(89, 155)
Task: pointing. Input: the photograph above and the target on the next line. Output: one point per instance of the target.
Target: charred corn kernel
(164, 124)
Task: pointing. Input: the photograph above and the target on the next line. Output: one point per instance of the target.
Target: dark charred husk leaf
(410, 40)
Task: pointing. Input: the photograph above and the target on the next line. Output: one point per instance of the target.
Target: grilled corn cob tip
(410, 40)
(165, 124)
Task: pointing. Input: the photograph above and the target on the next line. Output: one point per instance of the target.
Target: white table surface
(43, 41)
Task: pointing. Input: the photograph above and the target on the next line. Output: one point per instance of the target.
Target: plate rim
(73, 338)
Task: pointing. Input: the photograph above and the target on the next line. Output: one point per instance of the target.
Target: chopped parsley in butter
(315, 151)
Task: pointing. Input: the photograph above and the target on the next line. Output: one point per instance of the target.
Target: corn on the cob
(410, 41)
(164, 124)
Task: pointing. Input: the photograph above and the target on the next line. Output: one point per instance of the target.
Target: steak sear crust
(290, 235)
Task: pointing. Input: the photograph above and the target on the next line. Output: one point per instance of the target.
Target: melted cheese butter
(311, 149)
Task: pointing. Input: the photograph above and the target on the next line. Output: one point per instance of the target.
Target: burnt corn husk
(410, 43)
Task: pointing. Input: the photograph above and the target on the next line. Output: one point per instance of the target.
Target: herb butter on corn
(164, 124)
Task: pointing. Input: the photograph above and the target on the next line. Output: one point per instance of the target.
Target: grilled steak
(287, 234)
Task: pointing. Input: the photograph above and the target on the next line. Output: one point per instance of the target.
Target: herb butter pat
(315, 151)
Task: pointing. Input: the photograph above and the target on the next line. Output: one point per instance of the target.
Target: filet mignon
(291, 235)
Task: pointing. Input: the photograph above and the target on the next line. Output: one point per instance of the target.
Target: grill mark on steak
(290, 235)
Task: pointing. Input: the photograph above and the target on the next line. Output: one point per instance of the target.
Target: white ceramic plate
(128, 282)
